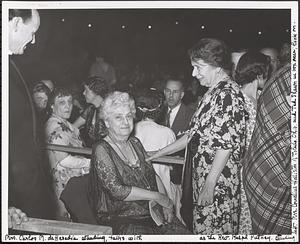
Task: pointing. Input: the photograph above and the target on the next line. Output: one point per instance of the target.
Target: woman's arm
(207, 193)
(79, 122)
(172, 148)
(57, 136)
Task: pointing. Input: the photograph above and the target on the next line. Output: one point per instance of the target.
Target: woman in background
(251, 74)
(59, 131)
(154, 137)
(95, 89)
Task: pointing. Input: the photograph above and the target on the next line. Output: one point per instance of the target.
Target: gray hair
(115, 100)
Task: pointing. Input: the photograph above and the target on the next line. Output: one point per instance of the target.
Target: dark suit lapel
(179, 120)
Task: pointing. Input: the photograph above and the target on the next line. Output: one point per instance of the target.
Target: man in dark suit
(177, 116)
(29, 188)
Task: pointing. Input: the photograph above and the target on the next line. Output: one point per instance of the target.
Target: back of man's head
(274, 55)
(25, 14)
(23, 24)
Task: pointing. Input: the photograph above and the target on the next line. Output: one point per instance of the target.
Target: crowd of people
(232, 127)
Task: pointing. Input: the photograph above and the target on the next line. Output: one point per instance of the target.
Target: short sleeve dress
(219, 123)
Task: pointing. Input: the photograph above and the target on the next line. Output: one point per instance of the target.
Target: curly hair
(58, 92)
(98, 85)
(116, 100)
(250, 65)
(211, 51)
(149, 104)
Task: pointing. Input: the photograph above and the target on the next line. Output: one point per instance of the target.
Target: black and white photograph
(149, 121)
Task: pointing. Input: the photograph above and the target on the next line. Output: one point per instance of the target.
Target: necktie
(168, 118)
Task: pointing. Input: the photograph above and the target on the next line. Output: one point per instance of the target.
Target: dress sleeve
(227, 121)
(58, 134)
(108, 175)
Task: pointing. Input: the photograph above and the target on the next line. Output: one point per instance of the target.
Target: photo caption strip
(294, 123)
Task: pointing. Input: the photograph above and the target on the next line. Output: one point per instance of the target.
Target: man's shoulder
(187, 109)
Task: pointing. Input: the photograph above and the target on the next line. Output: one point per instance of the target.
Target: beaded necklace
(134, 166)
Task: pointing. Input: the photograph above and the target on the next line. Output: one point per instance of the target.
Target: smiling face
(21, 33)
(62, 106)
(120, 122)
(204, 72)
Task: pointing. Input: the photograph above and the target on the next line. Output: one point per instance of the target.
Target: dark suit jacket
(29, 188)
(180, 124)
(182, 119)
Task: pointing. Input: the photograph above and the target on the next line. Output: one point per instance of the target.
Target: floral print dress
(64, 165)
(245, 226)
(219, 123)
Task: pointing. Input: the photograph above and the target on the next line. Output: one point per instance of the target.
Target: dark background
(64, 50)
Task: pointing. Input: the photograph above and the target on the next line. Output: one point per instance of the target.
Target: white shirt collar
(175, 110)
(174, 113)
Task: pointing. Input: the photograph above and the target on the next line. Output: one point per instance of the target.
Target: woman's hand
(168, 214)
(168, 206)
(206, 196)
(164, 200)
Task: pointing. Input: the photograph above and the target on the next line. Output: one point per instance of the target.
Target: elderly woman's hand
(15, 216)
(168, 214)
(164, 200)
(168, 206)
(206, 196)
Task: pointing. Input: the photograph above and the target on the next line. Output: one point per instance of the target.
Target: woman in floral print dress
(216, 143)
(61, 132)
(251, 74)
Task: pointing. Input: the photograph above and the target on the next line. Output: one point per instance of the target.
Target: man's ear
(16, 21)
(182, 94)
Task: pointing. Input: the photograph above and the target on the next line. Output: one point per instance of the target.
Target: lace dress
(245, 226)
(111, 181)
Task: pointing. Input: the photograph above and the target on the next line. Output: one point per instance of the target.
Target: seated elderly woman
(122, 184)
(59, 131)
(95, 89)
(154, 137)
